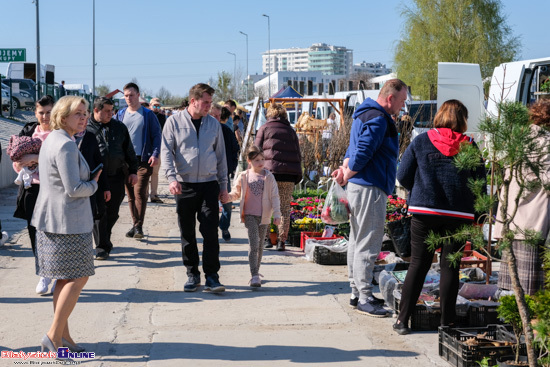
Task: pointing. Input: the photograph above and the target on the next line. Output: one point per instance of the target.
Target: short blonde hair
(276, 110)
(63, 108)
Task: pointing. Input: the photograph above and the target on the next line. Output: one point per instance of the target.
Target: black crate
(423, 318)
(294, 239)
(483, 315)
(323, 256)
(453, 349)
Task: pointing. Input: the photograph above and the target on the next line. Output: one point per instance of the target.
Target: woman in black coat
(281, 149)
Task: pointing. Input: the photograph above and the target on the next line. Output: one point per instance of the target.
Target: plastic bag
(336, 209)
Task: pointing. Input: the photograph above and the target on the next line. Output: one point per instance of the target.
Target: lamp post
(246, 35)
(234, 66)
(37, 51)
(268, 54)
(93, 57)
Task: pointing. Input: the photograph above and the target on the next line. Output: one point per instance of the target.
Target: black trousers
(421, 261)
(29, 201)
(104, 226)
(199, 201)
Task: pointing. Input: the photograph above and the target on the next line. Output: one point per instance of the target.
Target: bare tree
(102, 90)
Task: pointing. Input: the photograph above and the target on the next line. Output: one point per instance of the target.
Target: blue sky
(175, 43)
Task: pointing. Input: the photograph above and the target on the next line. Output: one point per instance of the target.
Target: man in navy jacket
(144, 129)
(369, 169)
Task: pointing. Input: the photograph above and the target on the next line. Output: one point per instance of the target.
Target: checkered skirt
(529, 264)
(64, 256)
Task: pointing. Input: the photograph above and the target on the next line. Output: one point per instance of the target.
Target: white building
(373, 68)
(305, 82)
(328, 59)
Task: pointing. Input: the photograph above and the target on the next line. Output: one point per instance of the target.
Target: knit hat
(154, 101)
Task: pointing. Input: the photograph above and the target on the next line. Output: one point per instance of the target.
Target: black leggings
(421, 261)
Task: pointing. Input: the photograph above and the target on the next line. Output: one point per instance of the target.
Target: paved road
(133, 312)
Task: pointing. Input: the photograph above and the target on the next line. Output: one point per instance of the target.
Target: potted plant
(273, 233)
(509, 312)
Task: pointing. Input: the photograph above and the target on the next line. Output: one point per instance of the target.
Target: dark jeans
(104, 227)
(421, 261)
(199, 201)
(29, 202)
(138, 194)
(225, 218)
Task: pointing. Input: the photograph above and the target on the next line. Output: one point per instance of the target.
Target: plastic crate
(305, 235)
(324, 256)
(422, 318)
(483, 315)
(294, 239)
(454, 350)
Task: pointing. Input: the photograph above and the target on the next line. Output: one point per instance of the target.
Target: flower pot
(273, 238)
(509, 361)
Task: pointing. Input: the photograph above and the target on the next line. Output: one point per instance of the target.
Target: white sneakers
(42, 286)
(256, 282)
(4, 238)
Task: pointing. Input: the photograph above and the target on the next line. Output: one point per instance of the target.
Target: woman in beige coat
(532, 213)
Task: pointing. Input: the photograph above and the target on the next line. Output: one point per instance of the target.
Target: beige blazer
(63, 203)
(533, 207)
(270, 198)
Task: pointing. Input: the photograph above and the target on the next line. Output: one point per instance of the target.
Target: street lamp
(234, 66)
(246, 35)
(37, 51)
(93, 57)
(268, 54)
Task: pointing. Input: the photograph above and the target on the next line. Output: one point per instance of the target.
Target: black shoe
(268, 244)
(353, 302)
(280, 246)
(213, 284)
(401, 329)
(376, 300)
(192, 283)
(131, 232)
(156, 199)
(138, 233)
(102, 255)
(226, 235)
(371, 309)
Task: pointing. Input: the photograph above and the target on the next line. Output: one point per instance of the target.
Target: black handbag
(400, 235)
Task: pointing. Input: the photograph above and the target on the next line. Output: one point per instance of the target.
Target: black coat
(281, 149)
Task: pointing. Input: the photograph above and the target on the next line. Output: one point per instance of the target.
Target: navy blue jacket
(151, 134)
(373, 147)
(436, 186)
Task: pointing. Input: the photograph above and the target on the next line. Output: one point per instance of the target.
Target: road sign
(13, 54)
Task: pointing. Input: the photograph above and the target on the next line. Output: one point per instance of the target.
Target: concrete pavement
(134, 312)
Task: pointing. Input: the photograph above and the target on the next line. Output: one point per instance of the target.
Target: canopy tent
(287, 92)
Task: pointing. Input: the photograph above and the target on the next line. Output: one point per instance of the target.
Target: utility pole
(246, 35)
(37, 51)
(268, 55)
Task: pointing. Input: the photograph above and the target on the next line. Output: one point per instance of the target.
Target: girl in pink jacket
(257, 190)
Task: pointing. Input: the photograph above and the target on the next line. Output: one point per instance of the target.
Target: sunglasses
(157, 107)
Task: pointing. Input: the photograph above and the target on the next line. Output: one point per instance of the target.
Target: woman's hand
(276, 221)
(96, 177)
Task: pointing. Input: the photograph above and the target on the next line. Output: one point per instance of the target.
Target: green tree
(471, 31)
(223, 86)
(102, 90)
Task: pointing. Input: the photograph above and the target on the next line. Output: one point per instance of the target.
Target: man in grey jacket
(193, 159)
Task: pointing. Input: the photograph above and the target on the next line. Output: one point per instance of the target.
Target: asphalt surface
(134, 312)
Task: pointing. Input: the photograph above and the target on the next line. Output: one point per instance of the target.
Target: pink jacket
(270, 199)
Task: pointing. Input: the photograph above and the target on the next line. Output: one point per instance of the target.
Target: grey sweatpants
(368, 214)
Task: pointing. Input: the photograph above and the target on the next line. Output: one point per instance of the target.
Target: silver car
(5, 99)
(22, 99)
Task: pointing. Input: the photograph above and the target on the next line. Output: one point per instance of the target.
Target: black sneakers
(280, 246)
(226, 235)
(192, 283)
(376, 301)
(213, 284)
(138, 233)
(131, 232)
(353, 302)
(401, 329)
(370, 308)
(102, 255)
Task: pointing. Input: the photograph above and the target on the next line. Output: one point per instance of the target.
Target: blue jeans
(225, 219)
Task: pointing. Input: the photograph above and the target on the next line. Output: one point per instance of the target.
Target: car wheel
(14, 104)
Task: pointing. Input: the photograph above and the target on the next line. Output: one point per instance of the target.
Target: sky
(178, 43)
